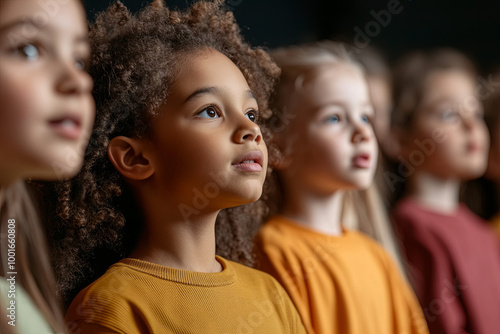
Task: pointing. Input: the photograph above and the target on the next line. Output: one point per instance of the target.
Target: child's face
(46, 104)
(334, 146)
(208, 151)
(449, 122)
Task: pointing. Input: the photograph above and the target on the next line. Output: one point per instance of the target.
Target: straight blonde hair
(363, 210)
(32, 263)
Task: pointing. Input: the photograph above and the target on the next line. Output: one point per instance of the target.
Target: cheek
(189, 157)
(21, 92)
(265, 153)
(329, 151)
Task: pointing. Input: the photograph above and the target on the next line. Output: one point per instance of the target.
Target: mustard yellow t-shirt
(340, 284)
(135, 296)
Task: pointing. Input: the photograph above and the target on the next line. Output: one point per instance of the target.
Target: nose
(362, 132)
(247, 131)
(73, 80)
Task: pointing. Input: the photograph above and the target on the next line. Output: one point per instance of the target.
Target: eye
(81, 64)
(252, 115)
(332, 119)
(208, 112)
(449, 115)
(28, 51)
(365, 119)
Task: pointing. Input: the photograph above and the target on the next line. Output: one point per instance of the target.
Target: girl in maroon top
(453, 258)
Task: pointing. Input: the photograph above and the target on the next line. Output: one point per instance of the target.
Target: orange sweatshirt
(340, 284)
(135, 296)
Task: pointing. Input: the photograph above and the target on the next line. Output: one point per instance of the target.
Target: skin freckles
(45, 92)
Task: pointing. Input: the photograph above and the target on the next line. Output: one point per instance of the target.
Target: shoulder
(278, 236)
(414, 222)
(262, 286)
(107, 301)
(259, 283)
(274, 227)
(251, 277)
(408, 211)
(371, 246)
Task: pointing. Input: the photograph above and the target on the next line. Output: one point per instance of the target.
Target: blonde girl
(340, 280)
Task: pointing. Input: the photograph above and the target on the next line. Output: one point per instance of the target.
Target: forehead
(208, 68)
(452, 84)
(30, 17)
(336, 82)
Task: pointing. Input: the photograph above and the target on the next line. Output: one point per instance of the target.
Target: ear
(129, 157)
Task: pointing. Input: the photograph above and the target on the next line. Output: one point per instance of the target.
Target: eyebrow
(215, 91)
(21, 22)
(43, 27)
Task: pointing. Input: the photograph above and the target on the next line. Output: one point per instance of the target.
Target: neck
(320, 212)
(178, 243)
(436, 193)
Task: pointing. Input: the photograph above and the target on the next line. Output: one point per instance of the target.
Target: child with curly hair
(453, 256)
(340, 280)
(175, 141)
(46, 115)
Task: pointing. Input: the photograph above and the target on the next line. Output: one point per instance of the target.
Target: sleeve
(293, 319)
(433, 278)
(97, 312)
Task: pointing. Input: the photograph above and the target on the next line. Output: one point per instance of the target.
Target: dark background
(472, 27)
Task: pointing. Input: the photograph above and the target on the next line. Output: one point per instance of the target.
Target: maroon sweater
(454, 265)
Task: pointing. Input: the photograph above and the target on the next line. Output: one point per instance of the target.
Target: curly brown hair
(93, 219)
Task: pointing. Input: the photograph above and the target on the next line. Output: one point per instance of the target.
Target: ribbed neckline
(226, 277)
(300, 228)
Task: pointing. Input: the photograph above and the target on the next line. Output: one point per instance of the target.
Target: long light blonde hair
(363, 210)
(32, 264)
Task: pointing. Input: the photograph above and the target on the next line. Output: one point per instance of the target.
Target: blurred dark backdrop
(393, 26)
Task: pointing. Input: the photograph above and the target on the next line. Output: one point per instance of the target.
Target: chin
(471, 174)
(363, 186)
(62, 171)
(253, 198)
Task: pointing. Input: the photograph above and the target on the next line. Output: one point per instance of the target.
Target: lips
(250, 162)
(69, 126)
(361, 160)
